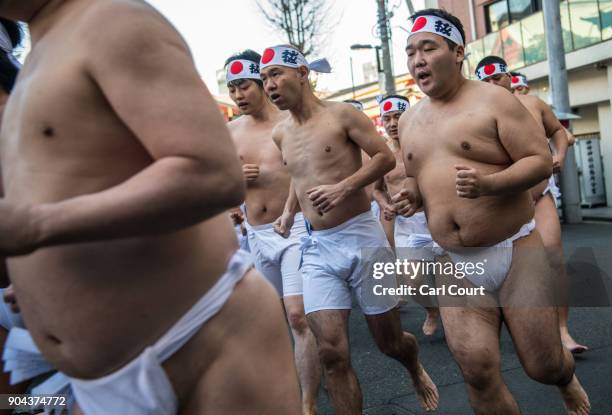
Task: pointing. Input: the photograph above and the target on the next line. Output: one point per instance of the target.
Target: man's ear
(303, 72)
(460, 53)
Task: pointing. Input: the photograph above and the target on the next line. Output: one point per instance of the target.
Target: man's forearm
(292, 204)
(371, 171)
(520, 176)
(170, 194)
(560, 142)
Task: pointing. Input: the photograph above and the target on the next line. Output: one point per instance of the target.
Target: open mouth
(274, 97)
(424, 76)
(243, 105)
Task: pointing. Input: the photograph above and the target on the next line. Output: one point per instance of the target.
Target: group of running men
(118, 174)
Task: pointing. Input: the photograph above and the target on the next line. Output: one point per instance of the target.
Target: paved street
(387, 390)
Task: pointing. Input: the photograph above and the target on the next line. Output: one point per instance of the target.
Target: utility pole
(560, 100)
(385, 40)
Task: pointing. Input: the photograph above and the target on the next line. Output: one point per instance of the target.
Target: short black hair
(444, 15)
(489, 60)
(8, 67)
(247, 54)
(518, 74)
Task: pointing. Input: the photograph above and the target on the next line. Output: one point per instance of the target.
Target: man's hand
(283, 224)
(251, 172)
(236, 216)
(557, 164)
(11, 299)
(388, 210)
(327, 196)
(17, 233)
(471, 183)
(406, 203)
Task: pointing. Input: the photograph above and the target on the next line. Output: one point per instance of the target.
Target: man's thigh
(528, 296)
(547, 221)
(330, 328)
(228, 367)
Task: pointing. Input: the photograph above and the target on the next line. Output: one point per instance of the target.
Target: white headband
(491, 69)
(242, 69)
(519, 80)
(437, 25)
(392, 104)
(292, 58)
(358, 105)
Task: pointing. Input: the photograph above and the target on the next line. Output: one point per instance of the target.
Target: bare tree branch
(304, 23)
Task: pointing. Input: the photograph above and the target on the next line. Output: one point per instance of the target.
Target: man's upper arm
(549, 119)
(362, 132)
(518, 131)
(146, 72)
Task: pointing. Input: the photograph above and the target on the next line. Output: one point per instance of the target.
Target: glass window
(497, 15)
(513, 45)
(493, 44)
(584, 15)
(520, 9)
(476, 53)
(566, 27)
(534, 41)
(605, 11)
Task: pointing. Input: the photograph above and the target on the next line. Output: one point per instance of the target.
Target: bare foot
(426, 390)
(431, 322)
(570, 344)
(575, 398)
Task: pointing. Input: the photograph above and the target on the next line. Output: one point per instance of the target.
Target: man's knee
(334, 358)
(551, 370)
(480, 370)
(297, 321)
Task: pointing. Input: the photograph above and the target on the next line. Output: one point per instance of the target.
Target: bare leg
(306, 354)
(472, 335)
(547, 224)
(402, 346)
(534, 329)
(330, 328)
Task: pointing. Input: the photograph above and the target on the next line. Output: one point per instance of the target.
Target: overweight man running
(493, 69)
(321, 144)
(267, 179)
(474, 152)
(117, 170)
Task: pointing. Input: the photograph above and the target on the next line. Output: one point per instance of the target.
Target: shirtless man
(117, 168)
(474, 152)
(268, 180)
(321, 144)
(391, 109)
(544, 194)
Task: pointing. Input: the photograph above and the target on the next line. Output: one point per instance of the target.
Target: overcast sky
(215, 30)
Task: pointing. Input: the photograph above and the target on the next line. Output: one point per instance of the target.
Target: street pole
(560, 100)
(383, 28)
(352, 78)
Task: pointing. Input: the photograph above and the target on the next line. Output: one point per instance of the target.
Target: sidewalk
(387, 389)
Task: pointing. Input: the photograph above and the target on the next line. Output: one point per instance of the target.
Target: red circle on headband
(515, 79)
(267, 56)
(387, 106)
(489, 69)
(236, 68)
(419, 24)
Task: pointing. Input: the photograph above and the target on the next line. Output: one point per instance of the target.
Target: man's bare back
(267, 193)
(93, 306)
(433, 151)
(319, 152)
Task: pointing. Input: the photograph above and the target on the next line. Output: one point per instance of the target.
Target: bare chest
(255, 146)
(463, 135)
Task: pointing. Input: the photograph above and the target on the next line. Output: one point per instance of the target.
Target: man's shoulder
(130, 26)
(531, 101)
